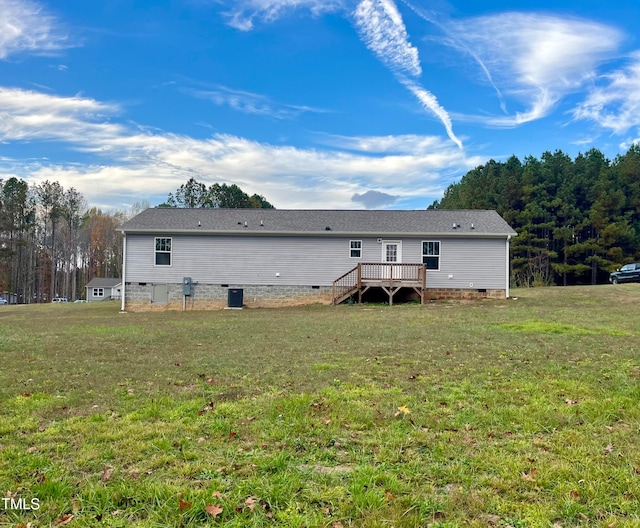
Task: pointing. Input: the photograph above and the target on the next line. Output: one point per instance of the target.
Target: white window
(355, 248)
(163, 251)
(431, 254)
(98, 292)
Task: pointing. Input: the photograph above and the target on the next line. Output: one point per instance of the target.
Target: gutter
(332, 234)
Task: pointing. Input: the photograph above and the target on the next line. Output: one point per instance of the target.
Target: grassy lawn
(519, 413)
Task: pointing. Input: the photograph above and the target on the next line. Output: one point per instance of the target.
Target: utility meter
(186, 286)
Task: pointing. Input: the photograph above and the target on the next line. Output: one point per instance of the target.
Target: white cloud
(615, 103)
(399, 144)
(131, 164)
(251, 103)
(24, 26)
(538, 59)
(429, 101)
(243, 12)
(383, 31)
(34, 115)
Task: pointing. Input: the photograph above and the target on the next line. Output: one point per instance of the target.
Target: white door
(392, 254)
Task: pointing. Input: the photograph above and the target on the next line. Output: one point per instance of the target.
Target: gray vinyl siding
(90, 296)
(306, 261)
(473, 263)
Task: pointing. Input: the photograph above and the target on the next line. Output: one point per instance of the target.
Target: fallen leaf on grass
(232, 435)
(608, 449)
(213, 509)
(65, 519)
(217, 494)
(570, 402)
(403, 409)
(531, 476)
(184, 505)
(250, 503)
(575, 494)
(389, 495)
(207, 408)
(106, 474)
(39, 476)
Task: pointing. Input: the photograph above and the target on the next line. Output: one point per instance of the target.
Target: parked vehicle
(627, 273)
(59, 300)
(3, 301)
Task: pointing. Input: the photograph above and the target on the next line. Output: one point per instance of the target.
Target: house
(99, 289)
(195, 258)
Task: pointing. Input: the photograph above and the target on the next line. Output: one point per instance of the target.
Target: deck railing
(391, 271)
(378, 273)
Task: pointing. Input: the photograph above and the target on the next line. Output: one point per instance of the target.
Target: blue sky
(311, 103)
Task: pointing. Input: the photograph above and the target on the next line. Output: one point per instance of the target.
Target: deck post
(359, 283)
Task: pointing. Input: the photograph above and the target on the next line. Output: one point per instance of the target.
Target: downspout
(508, 265)
(124, 264)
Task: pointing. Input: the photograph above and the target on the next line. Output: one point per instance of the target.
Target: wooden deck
(386, 275)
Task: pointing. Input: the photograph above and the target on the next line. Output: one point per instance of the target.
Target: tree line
(577, 219)
(52, 244)
(196, 194)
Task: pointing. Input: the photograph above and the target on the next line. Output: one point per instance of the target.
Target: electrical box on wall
(186, 286)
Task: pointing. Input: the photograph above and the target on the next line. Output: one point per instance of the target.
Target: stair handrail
(350, 281)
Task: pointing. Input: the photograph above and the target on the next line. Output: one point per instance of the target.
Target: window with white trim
(98, 292)
(355, 248)
(163, 251)
(431, 254)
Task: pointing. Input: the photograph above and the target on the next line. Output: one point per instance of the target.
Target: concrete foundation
(139, 296)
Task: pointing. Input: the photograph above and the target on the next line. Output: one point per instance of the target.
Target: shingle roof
(101, 282)
(319, 222)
